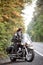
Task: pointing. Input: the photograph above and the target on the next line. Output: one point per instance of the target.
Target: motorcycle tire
(12, 59)
(32, 56)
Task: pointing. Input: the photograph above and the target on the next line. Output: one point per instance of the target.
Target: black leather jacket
(17, 38)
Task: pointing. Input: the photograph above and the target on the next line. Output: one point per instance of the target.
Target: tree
(36, 25)
(10, 20)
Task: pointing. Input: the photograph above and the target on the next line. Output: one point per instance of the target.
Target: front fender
(30, 46)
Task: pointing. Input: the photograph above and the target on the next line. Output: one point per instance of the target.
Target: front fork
(26, 50)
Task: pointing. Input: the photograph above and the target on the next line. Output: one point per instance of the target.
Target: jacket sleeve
(14, 38)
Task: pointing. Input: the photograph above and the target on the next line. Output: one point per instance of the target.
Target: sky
(28, 13)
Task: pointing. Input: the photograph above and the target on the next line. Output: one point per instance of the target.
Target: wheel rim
(28, 56)
(11, 58)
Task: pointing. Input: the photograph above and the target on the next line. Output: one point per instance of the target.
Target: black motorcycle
(25, 52)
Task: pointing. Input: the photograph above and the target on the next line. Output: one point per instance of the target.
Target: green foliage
(35, 29)
(10, 20)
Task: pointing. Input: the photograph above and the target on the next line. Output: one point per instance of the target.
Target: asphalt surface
(38, 60)
(38, 47)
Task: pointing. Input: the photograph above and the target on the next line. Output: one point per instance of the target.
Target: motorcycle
(26, 52)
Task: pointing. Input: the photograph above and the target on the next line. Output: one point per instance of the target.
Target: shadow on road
(11, 62)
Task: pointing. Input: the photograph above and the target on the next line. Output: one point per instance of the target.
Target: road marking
(38, 53)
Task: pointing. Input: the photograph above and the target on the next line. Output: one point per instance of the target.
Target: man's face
(20, 32)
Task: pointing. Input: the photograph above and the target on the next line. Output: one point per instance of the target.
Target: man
(17, 39)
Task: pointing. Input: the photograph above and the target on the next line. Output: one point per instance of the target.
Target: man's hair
(19, 29)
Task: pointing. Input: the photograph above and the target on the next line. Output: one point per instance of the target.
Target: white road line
(38, 53)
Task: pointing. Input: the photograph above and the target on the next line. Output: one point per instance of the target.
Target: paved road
(38, 47)
(38, 60)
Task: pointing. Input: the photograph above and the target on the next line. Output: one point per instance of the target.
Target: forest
(35, 28)
(10, 21)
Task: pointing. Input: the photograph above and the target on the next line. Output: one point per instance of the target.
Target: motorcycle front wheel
(30, 56)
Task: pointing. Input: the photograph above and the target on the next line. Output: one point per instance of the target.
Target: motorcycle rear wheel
(12, 59)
